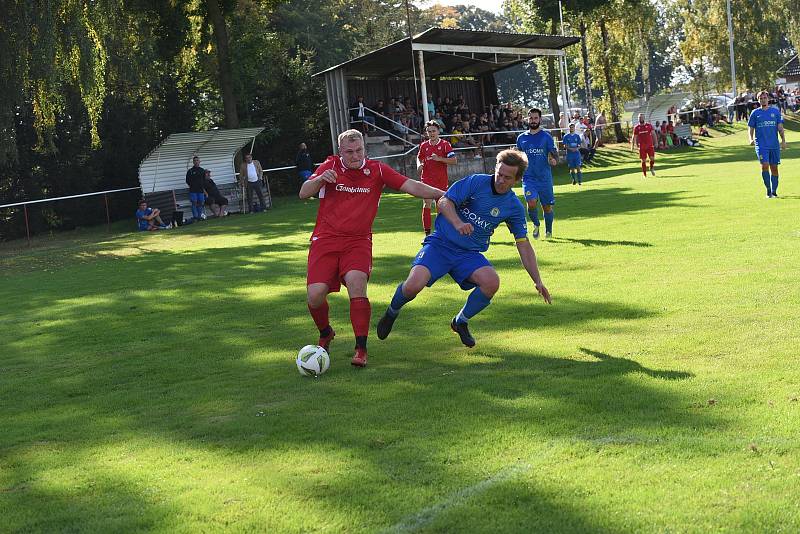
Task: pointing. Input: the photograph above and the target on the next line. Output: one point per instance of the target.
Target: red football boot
(360, 358)
(325, 342)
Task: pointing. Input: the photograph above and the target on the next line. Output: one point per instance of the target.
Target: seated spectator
(438, 118)
(214, 198)
(149, 219)
(672, 139)
(383, 111)
(704, 131)
(587, 149)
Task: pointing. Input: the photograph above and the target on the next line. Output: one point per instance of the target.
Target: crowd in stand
(464, 127)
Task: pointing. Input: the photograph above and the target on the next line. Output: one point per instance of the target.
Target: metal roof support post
(330, 91)
(425, 113)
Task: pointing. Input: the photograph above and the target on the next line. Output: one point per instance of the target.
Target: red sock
(644, 167)
(426, 219)
(320, 315)
(360, 312)
(652, 162)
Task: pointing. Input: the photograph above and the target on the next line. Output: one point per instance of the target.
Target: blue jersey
(765, 122)
(537, 146)
(477, 203)
(572, 140)
(143, 223)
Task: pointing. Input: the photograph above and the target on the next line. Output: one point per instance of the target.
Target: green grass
(147, 381)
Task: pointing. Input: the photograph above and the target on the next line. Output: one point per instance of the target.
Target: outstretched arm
(528, 257)
(420, 190)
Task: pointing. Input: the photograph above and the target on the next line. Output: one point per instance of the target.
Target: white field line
(425, 516)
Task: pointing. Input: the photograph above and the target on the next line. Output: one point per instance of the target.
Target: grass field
(147, 382)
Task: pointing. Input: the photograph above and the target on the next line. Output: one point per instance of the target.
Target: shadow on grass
(187, 348)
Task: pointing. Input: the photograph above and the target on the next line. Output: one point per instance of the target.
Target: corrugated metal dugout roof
(164, 169)
(496, 53)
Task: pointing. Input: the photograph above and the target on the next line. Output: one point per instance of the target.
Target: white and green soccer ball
(313, 360)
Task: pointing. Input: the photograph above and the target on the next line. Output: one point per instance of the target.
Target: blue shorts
(769, 155)
(540, 190)
(574, 160)
(441, 259)
(197, 198)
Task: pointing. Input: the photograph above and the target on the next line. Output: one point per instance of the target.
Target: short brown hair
(764, 92)
(535, 110)
(351, 135)
(434, 124)
(514, 158)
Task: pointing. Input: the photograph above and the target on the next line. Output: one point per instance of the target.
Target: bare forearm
(781, 132)
(528, 257)
(447, 209)
(449, 161)
(311, 187)
(420, 190)
(751, 132)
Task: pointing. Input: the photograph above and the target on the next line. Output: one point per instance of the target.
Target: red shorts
(330, 258)
(647, 151)
(438, 183)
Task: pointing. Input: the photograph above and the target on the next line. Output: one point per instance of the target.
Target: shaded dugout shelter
(435, 57)
(162, 173)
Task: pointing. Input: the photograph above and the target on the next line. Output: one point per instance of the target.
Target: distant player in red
(434, 156)
(643, 137)
(349, 188)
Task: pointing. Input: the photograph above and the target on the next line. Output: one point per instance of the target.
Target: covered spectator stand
(162, 174)
(441, 59)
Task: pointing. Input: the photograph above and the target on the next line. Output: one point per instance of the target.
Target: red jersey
(644, 134)
(348, 207)
(434, 171)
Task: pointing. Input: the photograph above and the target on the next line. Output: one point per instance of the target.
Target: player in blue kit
(572, 142)
(765, 124)
(470, 211)
(537, 183)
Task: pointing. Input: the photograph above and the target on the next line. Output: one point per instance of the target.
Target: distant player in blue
(470, 212)
(537, 183)
(765, 124)
(572, 142)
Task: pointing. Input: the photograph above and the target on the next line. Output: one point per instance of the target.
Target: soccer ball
(312, 360)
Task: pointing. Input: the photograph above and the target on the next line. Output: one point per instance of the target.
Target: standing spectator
(359, 114)
(303, 162)
(214, 197)
(149, 219)
(599, 126)
(195, 179)
(250, 173)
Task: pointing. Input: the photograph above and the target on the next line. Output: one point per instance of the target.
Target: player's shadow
(618, 365)
(600, 242)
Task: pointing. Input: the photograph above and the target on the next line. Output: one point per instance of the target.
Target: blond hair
(514, 158)
(350, 135)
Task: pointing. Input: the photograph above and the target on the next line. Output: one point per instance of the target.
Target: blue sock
(548, 221)
(476, 301)
(774, 185)
(580, 177)
(398, 301)
(533, 213)
(572, 174)
(765, 177)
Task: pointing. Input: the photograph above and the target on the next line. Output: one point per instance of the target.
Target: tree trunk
(648, 90)
(552, 81)
(224, 63)
(587, 81)
(610, 87)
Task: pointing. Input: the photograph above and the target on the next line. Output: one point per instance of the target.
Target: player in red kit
(643, 137)
(349, 187)
(434, 156)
